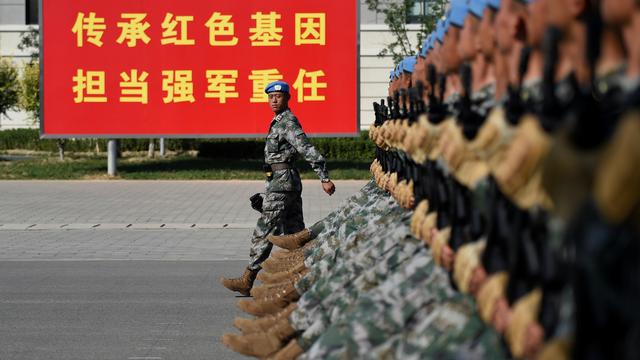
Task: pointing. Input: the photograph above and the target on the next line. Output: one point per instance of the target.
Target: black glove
(256, 202)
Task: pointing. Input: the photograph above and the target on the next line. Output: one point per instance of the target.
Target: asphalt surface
(132, 310)
(127, 269)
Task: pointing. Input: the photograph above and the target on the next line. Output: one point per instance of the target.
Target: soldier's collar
(279, 117)
(481, 94)
(532, 91)
(610, 80)
(630, 84)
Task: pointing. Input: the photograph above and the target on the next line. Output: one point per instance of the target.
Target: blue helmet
(440, 30)
(398, 70)
(476, 7)
(277, 86)
(494, 4)
(425, 46)
(458, 12)
(408, 64)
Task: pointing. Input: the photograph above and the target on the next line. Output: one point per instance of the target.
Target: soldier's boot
(260, 291)
(291, 242)
(270, 305)
(289, 352)
(261, 344)
(282, 288)
(292, 275)
(243, 284)
(249, 326)
(267, 288)
(277, 265)
(273, 278)
(276, 288)
(257, 344)
(283, 253)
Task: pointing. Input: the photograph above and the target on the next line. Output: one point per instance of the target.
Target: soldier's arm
(299, 140)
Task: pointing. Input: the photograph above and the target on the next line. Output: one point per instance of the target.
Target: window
(31, 12)
(419, 9)
(422, 8)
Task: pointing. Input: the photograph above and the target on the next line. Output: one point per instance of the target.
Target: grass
(135, 166)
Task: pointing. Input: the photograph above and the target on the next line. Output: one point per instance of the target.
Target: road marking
(158, 339)
(132, 227)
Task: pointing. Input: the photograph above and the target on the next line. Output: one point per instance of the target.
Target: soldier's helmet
(277, 86)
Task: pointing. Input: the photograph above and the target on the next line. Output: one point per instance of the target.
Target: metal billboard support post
(162, 148)
(112, 157)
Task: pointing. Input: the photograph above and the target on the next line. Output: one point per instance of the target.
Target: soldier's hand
(329, 187)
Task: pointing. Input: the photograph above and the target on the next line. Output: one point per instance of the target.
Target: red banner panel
(196, 68)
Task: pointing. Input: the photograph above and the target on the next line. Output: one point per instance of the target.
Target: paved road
(131, 310)
(139, 220)
(125, 269)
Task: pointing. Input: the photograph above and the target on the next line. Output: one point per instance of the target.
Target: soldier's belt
(281, 166)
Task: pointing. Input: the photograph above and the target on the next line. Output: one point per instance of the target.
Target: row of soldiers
(503, 218)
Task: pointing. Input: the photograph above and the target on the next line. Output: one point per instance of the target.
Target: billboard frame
(189, 136)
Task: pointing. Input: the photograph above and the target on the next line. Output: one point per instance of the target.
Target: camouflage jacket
(285, 141)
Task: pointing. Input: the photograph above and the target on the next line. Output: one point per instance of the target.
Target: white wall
(9, 40)
(374, 70)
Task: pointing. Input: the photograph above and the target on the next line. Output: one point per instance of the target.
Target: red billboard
(196, 68)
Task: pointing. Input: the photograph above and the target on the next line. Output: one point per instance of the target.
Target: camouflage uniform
(405, 309)
(367, 257)
(412, 312)
(282, 206)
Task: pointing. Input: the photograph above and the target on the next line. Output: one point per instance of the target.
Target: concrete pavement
(139, 220)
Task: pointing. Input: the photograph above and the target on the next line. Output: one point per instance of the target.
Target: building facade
(17, 16)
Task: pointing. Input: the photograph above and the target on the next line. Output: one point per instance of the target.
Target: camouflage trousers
(376, 294)
(323, 258)
(345, 227)
(413, 314)
(281, 214)
(371, 255)
(346, 289)
(355, 272)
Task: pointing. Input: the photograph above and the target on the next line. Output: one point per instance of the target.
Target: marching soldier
(282, 206)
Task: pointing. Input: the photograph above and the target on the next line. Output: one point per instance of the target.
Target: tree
(30, 84)
(30, 91)
(30, 41)
(396, 16)
(9, 86)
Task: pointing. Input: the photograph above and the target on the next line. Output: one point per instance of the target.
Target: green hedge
(359, 148)
(29, 139)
